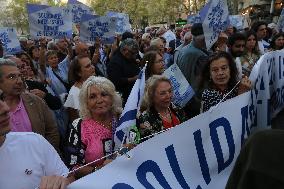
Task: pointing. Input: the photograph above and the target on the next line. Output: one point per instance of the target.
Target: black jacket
(119, 70)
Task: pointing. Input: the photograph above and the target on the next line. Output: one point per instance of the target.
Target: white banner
(8, 38)
(201, 152)
(183, 92)
(52, 22)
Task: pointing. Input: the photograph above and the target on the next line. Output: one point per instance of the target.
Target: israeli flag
(200, 16)
(126, 131)
(216, 21)
(280, 23)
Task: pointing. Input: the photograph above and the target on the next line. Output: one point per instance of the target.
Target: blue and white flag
(280, 23)
(127, 121)
(122, 24)
(183, 92)
(200, 16)
(9, 40)
(52, 22)
(93, 26)
(78, 9)
(216, 21)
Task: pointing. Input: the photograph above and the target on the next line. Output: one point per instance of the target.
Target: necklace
(166, 115)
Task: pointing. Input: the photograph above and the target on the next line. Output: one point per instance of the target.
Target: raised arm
(42, 60)
(69, 49)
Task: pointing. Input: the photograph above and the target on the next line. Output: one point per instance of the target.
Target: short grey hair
(51, 45)
(130, 43)
(151, 85)
(6, 62)
(105, 85)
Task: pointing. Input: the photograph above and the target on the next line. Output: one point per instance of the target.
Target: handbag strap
(66, 85)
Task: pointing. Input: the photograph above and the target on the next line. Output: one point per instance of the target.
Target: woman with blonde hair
(91, 137)
(160, 112)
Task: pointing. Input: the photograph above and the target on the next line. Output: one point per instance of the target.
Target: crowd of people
(67, 95)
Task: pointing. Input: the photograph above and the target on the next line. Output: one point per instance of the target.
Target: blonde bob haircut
(150, 88)
(105, 85)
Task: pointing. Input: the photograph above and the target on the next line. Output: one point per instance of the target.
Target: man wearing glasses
(28, 113)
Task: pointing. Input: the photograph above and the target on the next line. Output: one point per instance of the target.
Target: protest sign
(182, 90)
(216, 21)
(78, 9)
(52, 22)
(122, 24)
(237, 21)
(201, 152)
(9, 40)
(93, 26)
(169, 36)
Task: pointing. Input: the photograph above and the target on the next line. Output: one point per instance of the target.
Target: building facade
(267, 10)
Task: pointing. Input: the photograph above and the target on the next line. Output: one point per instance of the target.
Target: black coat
(119, 70)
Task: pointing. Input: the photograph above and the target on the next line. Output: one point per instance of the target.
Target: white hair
(103, 84)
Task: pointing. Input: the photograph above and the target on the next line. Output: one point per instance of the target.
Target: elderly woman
(160, 112)
(80, 70)
(90, 137)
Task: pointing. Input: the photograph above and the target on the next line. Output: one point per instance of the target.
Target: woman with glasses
(155, 64)
(220, 73)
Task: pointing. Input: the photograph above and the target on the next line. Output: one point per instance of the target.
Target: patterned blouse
(153, 122)
(211, 97)
(87, 141)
